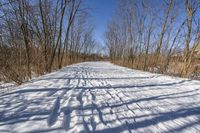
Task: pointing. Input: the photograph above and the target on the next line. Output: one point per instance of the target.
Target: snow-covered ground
(4, 87)
(102, 97)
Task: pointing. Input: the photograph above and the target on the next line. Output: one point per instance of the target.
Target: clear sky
(101, 12)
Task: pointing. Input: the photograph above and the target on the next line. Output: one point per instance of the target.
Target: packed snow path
(104, 98)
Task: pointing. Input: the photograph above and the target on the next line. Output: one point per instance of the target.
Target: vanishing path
(104, 98)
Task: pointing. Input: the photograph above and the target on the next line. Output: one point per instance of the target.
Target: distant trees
(42, 35)
(159, 37)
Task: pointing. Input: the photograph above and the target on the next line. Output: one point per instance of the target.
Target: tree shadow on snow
(22, 115)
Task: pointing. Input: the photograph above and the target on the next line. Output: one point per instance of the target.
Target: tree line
(157, 36)
(38, 36)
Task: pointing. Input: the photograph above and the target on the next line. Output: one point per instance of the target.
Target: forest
(161, 38)
(40, 36)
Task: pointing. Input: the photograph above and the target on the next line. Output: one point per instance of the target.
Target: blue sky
(101, 12)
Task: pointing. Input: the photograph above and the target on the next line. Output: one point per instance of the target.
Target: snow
(4, 86)
(104, 98)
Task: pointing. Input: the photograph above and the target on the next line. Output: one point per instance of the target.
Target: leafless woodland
(38, 36)
(161, 38)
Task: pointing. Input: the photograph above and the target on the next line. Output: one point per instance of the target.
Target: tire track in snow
(118, 100)
(114, 97)
(98, 106)
(58, 111)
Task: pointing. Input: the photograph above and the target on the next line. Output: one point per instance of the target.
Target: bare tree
(36, 36)
(190, 7)
(158, 49)
(133, 39)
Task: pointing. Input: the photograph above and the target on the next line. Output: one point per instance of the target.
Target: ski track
(103, 98)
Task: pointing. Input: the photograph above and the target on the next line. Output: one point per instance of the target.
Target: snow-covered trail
(104, 98)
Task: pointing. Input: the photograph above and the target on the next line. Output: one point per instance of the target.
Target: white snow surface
(103, 98)
(6, 86)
